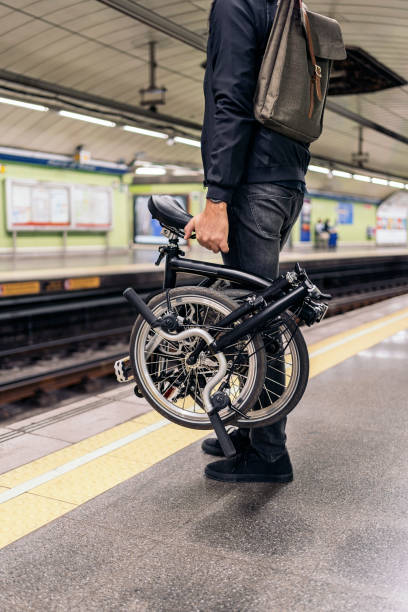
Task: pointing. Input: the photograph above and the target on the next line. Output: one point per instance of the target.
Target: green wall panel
(363, 216)
(118, 237)
(121, 235)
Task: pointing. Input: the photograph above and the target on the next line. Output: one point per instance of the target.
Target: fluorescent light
(185, 172)
(319, 169)
(362, 177)
(342, 174)
(396, 184)
(187, 141)
(137, 130)
(87, 118)
(37, 107)
(379, 181)
(406, 186)
(150, 170)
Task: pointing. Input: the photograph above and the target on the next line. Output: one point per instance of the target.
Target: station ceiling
(92, 48)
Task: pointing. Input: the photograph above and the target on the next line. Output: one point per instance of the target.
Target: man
(256, 182)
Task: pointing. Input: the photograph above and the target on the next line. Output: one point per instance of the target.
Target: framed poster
(345, 213)
(37, 206)
(146, 229)
(42, 206)
(91, 208)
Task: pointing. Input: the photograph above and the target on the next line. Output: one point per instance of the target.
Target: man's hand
(211, 227)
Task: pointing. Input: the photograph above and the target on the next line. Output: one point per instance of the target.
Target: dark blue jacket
(235, 147)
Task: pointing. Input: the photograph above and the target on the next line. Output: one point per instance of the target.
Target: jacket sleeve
(233, 44)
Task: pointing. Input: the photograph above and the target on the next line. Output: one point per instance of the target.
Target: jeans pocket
(270, 212)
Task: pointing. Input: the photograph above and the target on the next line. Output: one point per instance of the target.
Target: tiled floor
(169, 540)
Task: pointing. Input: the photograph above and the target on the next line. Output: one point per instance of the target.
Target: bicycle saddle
(168, 212)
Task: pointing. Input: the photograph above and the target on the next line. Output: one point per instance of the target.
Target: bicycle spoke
(275, 382)
(187, 383)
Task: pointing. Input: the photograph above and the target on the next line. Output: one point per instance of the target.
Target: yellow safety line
(41, 504)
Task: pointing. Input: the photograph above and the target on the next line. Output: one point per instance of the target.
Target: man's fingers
(213, 245)
(189, 228)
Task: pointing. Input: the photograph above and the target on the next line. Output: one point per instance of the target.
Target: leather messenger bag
(294, 77)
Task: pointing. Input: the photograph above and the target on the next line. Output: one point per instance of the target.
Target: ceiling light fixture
(342, 174)
(362, 177)
(379, 181)
(320, 169)
(87, 118)
(187, 141)
(396, 184)
(37, 107)
(150, 170)
(143, 132)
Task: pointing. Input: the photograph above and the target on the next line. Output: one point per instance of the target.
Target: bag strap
(317, 71)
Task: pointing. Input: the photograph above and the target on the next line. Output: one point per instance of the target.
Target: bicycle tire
(139, 334)
(301, 384)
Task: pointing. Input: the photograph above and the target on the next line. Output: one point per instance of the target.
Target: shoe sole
(249, 477)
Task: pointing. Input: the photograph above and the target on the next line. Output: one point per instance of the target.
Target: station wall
(363, 213)
(117, 237)
(351, 216)
(121, 236)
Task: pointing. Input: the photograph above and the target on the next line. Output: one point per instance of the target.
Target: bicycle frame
(175, 265)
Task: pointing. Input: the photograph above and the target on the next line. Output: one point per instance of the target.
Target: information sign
(33, 205)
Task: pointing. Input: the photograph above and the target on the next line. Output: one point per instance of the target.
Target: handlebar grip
(139, 305)
(326, 296)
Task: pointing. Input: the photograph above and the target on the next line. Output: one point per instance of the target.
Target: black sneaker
(250, 467)
(211, 446)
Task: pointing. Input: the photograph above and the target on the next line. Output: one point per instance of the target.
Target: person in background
(333, 237)
(318, 234)
(325, 234)
(256, 184)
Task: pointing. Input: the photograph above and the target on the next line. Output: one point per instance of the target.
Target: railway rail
(106, 345)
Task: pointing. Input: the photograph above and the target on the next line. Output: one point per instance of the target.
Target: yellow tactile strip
(44, 503)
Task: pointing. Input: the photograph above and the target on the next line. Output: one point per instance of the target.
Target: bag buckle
(318, 71)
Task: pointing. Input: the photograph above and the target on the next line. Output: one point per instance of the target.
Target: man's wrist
(216, 192)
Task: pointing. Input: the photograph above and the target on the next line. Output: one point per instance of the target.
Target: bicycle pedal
(123, 370)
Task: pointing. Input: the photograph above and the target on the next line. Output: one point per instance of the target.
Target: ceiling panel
(93, 48)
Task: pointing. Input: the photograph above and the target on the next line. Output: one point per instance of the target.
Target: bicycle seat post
(170, 251)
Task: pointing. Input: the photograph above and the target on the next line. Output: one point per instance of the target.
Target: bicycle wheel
(287, 373)
(175, 388)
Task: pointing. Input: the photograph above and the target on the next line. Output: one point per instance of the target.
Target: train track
(53, 377)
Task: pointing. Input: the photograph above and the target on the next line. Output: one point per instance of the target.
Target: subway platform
(105, 505)
(57, 274)
(51, 265)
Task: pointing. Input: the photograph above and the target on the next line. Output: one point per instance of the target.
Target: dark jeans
(261, 216)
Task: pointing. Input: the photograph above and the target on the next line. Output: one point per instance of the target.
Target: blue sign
(345, 213)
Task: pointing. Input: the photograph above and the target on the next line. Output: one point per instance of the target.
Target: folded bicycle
(225, 351)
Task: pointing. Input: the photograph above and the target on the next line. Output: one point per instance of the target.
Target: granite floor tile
(25, 448)
(90, 423)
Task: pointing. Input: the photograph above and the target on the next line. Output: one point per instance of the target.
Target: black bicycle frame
(175, 265)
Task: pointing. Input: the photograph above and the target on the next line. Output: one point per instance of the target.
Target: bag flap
(327, 37)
